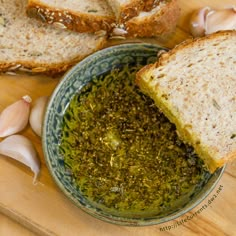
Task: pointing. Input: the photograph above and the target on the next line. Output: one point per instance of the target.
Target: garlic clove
(197, 21)
(207, 21)
(220, 20)
(37, 114)
(21, 149)
(14, 118)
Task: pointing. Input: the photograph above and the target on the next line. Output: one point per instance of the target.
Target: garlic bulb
(21, 149)
(206, 21)
(37, 113)
(15, 117)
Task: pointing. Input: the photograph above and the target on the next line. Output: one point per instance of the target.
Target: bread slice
(28, 44)
(160, 20)
(78, 15)
(195, 86)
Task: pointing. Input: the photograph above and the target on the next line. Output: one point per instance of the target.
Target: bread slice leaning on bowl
(194, 85)
(28, 44)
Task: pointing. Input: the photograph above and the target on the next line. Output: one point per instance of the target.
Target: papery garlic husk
(37, 114)
(197, 21)
(220, 20)
(15, 117)
(21, 149)
(119, 32)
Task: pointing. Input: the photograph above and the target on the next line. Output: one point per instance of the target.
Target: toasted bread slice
(28, 44)
(195, 86)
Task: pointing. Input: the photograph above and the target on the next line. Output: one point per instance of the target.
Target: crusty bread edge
(71, 20)
(128, 11)
(33, 67)
(171, 113)
(188, 43)
(132, 9)
(166, 56)
(163, 22)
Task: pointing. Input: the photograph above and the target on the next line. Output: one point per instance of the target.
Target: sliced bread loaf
(195, 86)
(80, 16)
(133, 18)
(28, 44)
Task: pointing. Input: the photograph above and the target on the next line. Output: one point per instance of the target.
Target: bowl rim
(114, 219)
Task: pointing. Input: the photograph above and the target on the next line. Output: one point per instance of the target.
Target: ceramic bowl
(99, 63)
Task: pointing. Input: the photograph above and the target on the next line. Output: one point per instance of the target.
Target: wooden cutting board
(45, 210)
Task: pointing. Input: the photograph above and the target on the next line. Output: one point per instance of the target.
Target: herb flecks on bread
(195, 86)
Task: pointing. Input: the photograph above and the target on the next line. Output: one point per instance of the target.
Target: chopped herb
(92, 11)
(215, 104)
(233, 136)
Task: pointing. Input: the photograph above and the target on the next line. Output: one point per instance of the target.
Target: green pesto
(123, 152)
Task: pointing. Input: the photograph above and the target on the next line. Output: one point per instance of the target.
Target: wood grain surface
(44, 210)
(12, 228)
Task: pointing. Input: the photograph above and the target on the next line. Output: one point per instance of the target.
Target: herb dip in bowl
(110, 149)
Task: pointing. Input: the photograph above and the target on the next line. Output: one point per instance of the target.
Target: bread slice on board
(28, 44)
(194, 85)
(77, 15)
(160, 20)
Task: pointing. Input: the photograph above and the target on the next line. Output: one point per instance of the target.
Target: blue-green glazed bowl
(99, 63)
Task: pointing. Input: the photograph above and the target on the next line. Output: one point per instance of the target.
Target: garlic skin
(220, 20)
(207, 21)
(197, 21)
(21, 149)
(119, 31)
(15, 117)
(37, 114)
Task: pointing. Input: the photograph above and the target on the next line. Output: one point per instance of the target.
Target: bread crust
(76, 21)
(150, 4)
(130, 10)
(160, 23)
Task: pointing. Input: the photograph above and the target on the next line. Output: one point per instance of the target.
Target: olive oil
(123, 152)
